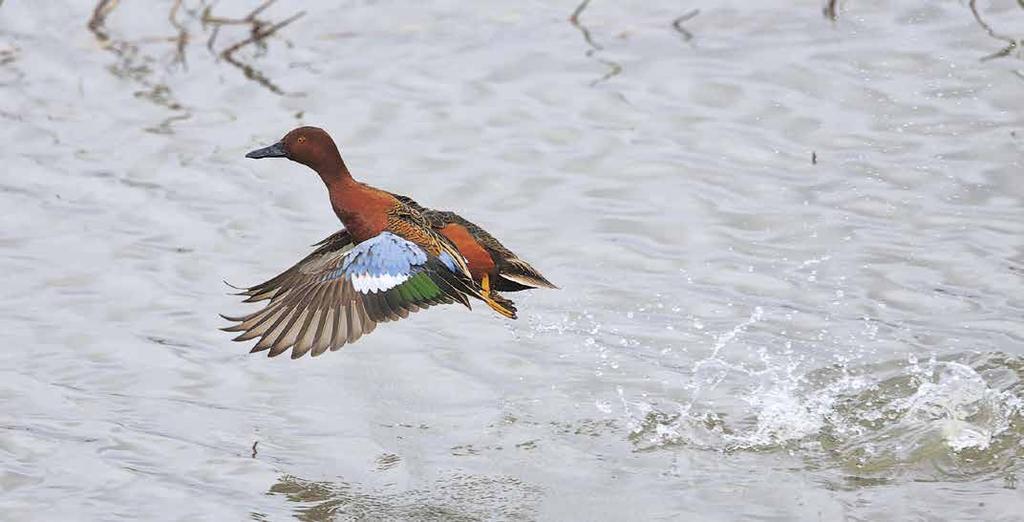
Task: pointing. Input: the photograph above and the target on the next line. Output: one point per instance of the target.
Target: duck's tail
(520, 272)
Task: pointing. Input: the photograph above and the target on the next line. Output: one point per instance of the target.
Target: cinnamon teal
(388, 262)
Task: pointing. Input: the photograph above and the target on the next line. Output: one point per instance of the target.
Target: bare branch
(182, 38)
(614, 68)
(1012, 42)
(259, 33)
(677, 24)
(99, 18)
(574, 19)
(831, 10)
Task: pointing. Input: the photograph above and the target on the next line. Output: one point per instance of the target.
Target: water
(742, 332)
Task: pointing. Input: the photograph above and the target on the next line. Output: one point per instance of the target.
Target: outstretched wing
(342, 290)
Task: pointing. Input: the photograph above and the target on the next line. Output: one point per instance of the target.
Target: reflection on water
(457, 497)
(137, 61)
(614, 68)
(677, 24)
(1012, 44)
(791, 250)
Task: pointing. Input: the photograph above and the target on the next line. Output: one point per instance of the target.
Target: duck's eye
(302, 139)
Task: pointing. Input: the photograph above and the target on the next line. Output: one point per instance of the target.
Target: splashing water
(954, 417)
(959, 404)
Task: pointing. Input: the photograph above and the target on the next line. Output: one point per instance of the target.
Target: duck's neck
(337, 178)
(340, 186)
(329, 165)
(356, 205)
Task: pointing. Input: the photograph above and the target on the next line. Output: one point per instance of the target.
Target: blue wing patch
(448, 261)
(381, 263)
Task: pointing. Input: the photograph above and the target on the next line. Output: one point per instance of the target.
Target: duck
(387, 262)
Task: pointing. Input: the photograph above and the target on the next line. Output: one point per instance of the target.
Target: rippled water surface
(791, 252)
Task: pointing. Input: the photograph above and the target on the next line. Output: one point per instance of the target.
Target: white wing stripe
(366, 283)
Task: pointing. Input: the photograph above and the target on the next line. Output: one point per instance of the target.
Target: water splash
(952, 417)
(960, 406)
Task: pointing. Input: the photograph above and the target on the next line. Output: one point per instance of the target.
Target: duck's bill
(274, 151)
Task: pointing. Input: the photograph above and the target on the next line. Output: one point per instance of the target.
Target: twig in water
(133, 66)
(167, 125)
(677, 24)
(259, 34)
(182, 38)
(1013, 44)
(614, 68)
(574, 19)
(831, 10)
(249, 19)
(254, 448)
(259, 31)
(99, 17)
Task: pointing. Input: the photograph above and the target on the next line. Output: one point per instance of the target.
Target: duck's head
(311, 146)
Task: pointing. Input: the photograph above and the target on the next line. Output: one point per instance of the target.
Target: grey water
(790, 247)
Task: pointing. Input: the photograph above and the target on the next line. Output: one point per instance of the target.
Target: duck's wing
(339, 241)
(342, 290)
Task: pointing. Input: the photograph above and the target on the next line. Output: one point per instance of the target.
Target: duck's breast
(363, 212)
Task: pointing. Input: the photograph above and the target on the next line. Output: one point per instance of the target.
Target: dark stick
(988, 29)
(614, 68)
(99, 16)
(258, 35)
(831, 10)
(182, 38)
(574, 19)
(677, 24)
